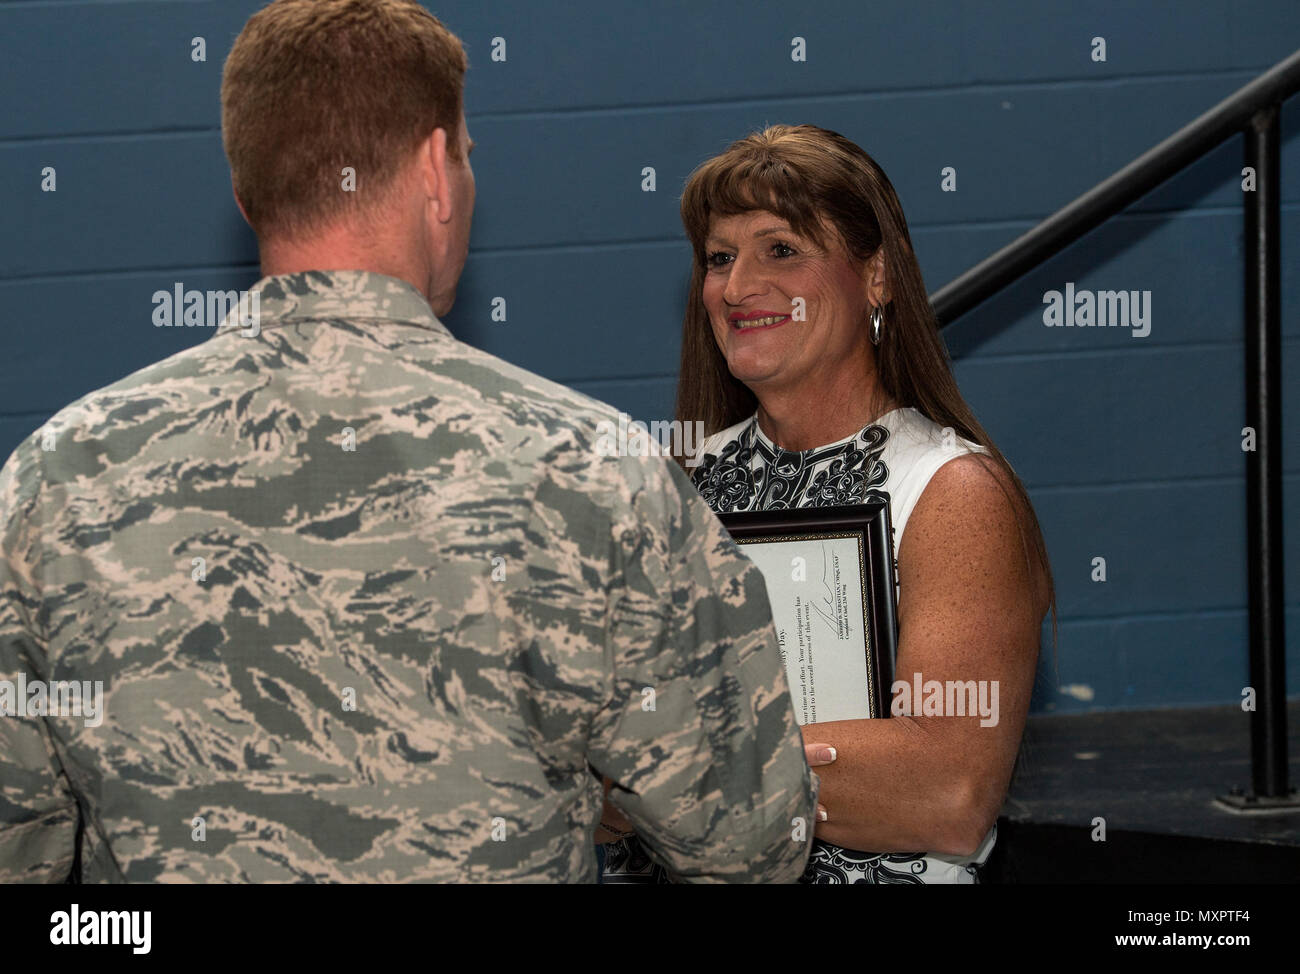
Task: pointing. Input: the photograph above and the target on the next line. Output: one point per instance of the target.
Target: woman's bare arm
(972, 600)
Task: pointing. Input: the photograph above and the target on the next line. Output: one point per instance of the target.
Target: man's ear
(432, 160)
(238, 202)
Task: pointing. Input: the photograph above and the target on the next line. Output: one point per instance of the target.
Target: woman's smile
(757, 320)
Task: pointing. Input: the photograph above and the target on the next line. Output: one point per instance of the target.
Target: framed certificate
(830, 578)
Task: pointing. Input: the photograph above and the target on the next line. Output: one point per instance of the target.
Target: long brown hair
(811, 177)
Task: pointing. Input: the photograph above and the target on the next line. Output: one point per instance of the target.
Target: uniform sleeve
(699, 735)
(38, 815)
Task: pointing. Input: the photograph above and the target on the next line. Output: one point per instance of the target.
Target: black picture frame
(869, 523)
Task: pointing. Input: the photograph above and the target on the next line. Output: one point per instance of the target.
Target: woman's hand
(614, 825)
(817, 755)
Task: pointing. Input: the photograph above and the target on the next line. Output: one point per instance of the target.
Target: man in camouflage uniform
(367, 604)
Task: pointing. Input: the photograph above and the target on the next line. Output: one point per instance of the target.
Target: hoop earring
(876, 325)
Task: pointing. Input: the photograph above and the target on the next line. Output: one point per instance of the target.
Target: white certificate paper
(816, 590)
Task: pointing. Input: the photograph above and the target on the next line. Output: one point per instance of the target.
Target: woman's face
(786, 313)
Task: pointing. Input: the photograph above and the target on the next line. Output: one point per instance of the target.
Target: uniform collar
(346, 295)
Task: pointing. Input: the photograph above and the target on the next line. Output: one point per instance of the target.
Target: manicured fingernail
(821, 814)
(826, 754)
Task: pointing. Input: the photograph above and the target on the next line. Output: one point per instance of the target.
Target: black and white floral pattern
(829, 865)
(750, 473)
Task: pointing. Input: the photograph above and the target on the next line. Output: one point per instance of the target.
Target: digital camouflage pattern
(506, 605)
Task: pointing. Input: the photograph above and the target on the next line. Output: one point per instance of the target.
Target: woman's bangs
(753, 184)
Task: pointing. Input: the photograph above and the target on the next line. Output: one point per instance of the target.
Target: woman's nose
(744, 281)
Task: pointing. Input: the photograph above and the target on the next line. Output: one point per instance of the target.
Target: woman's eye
(717, 259)
(782, 250)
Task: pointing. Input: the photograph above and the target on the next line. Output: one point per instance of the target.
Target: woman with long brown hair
(811, 354)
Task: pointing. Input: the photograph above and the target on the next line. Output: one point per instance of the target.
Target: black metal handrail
(1254, 110)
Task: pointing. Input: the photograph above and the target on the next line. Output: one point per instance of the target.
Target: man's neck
(341, 251)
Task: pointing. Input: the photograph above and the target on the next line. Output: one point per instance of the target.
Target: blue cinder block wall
(1131, 447)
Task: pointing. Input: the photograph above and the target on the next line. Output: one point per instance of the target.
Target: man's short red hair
(314, 86)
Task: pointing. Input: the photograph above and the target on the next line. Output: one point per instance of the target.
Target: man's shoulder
(578, 431)
(538, 426)
(116, 407)
(517, 392)
(587, 440)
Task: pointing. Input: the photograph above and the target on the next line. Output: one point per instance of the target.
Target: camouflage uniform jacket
(368, 604)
